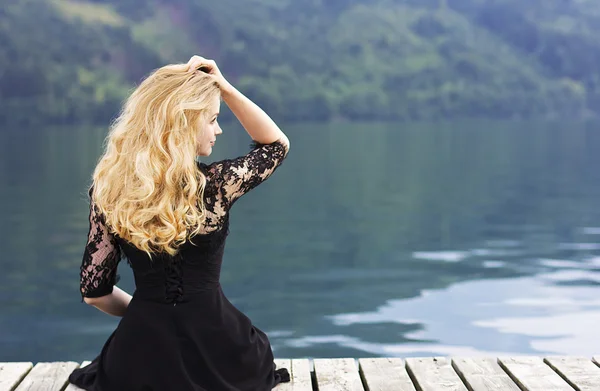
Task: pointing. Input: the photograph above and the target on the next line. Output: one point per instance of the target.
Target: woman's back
(197, 265)
(179, 315)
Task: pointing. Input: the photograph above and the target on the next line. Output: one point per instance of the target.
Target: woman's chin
(206, 152)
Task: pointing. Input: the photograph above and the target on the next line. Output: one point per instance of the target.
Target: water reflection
(372, 239)
(545, 318)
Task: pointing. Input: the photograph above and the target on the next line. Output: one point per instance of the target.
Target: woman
(154, 203)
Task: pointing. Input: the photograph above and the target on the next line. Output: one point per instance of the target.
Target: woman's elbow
(286, 143)
(90, 300)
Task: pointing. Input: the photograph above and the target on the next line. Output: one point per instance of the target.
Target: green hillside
(75, 60)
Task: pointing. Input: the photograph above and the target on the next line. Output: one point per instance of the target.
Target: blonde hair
(147, 183)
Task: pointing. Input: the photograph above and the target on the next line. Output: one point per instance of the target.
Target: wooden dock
(376, 374)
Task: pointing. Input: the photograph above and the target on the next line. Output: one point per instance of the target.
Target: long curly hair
(147, 183)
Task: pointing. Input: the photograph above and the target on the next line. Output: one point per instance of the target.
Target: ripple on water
(528, 315)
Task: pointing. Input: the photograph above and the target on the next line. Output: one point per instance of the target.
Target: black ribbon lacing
(174, 283)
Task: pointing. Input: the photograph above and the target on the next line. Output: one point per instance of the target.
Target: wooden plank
(283, 363)
(580, 372)
(48, 376)
(73, 387)
(378, 374)
(385, 374)
(12, 373)
(338, 374)
(434, 374)
(483, 374)
(301, 376)
(300, 379)
(532, 374)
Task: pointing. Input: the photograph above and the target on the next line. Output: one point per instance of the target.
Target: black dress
(180, 332)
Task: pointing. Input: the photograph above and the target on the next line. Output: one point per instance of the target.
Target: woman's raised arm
(255, 121)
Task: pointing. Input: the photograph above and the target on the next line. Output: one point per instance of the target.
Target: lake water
(464, 238)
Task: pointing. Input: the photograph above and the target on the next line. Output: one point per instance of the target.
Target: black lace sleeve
(240, 175)
(98, 273)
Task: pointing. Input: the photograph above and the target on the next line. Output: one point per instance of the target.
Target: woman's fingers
(195, 59)
(195, 62)
(208, 66)
(200, 62)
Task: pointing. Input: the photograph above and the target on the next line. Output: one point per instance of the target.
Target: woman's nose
(219, 130)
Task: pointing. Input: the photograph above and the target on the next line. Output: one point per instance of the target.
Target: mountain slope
(75, 60)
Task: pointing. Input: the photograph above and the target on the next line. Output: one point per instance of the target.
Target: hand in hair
(255, 121)
(201, 64)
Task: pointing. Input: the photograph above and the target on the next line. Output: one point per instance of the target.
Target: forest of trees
(73, 61)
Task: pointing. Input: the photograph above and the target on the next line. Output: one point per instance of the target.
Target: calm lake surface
(465, 238)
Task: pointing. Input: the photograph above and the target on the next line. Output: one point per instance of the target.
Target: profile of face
(207, 134)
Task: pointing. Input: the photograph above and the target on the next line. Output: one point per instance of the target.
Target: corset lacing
(174, 280)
